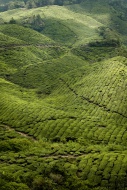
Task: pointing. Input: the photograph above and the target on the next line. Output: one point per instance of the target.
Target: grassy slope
(76, 23)
(81, 99)
(106, 13)
(30, 36)
(6, 40)
(68, 20)
(49, 93)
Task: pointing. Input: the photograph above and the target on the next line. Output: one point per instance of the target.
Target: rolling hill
(63, 116)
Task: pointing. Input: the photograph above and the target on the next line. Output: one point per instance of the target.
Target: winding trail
(9, 46)
(52, 155)
(20, 133)
(73, 156)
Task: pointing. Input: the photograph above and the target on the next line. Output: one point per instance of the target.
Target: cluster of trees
(34, 3)
(41, 3)
(12, 5)
(35, 22)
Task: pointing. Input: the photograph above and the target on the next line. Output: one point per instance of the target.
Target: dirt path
(9, 46)
(69, 156)
(20, 133)
(52, 155)
(64, 156)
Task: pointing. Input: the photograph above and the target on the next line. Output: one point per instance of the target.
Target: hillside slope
(77, 23)
(63, 116)
(60, 23)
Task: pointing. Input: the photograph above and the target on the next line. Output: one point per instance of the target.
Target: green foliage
(35, 22)
(12, 21)
(63, 106)
(65, 23)
(30, 36)
(59, 31)
(32, 3)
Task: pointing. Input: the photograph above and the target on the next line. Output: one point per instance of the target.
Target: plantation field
(76, 27)
(29, 37)
(63, 103)
(75, 24)
(28, 163)
(65, 100)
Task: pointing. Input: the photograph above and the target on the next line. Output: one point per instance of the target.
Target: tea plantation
(63, 103)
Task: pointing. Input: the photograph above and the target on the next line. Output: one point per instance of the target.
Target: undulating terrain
(63, 95)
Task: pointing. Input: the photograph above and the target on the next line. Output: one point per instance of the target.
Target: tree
(35, 22)
(12, 21)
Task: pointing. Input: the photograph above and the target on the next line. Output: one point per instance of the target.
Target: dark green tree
(12, 21)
